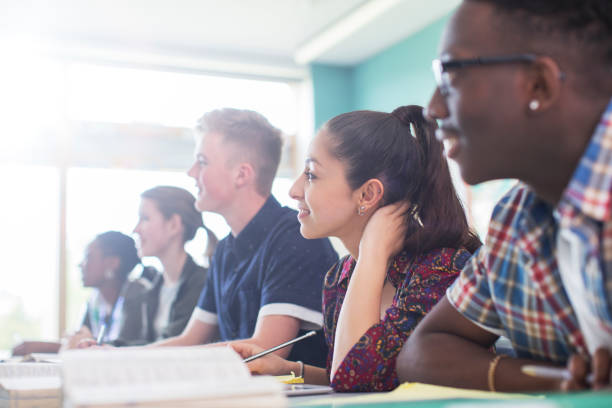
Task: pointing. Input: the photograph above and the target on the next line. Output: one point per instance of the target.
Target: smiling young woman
(380, 183)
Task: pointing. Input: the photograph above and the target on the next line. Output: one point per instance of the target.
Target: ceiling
(257, 31)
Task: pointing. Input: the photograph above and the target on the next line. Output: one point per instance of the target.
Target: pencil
(555, 373)
(280, 346)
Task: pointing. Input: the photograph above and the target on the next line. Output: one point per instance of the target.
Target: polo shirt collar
(251, 237)
(590, 189)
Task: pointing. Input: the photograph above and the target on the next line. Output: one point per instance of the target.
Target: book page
(30, 387)
(45, 357)
(11, 370)
(132, 375)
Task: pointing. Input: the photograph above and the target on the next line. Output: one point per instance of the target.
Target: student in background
(167, 220)
(524, 91)
(264, 282)
(386, 191)
(107, 262)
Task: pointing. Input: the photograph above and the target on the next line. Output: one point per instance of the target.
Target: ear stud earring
(534, 105)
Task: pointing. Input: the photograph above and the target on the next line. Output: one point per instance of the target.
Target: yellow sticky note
(290, 379)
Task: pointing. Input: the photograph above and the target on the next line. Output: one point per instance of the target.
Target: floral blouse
(420, 283)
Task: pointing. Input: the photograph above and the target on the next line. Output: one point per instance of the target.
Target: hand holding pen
(280, 346)
(95, 343)
(580, 374)
(261, 361)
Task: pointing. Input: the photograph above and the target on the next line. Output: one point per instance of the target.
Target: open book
(172, 377)
(30, 385)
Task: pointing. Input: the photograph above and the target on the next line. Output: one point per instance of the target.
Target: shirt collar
(535, 213)
(249, 239)
(590, 189)
(347, 267)
(189, 267)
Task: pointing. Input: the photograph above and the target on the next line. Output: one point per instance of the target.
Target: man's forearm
(446, 359)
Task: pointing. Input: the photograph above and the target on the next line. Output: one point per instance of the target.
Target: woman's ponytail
(401, 150)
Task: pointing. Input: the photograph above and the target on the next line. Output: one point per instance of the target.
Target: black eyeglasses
(441, 68)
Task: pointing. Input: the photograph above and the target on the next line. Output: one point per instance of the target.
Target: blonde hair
(251, 132)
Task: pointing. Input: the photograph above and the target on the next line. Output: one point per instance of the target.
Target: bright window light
(29, 242)
(124, 95)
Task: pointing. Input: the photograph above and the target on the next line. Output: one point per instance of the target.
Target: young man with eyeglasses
(524, 89)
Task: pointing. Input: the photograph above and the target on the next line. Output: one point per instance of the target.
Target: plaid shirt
(512, 285)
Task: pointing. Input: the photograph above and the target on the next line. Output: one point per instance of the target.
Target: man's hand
(594, 375)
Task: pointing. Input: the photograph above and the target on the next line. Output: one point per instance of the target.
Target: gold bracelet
(491, 374)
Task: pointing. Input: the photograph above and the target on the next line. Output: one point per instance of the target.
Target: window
(106, 133)
(29, 242)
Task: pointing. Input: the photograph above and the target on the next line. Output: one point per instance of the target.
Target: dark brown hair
(252, 132)
(412, 168)
(172, 200)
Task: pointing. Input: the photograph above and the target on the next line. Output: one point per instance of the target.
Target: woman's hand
(595, 375)
(270, 364)
(384, 233)
(72, 341)
(29, 347)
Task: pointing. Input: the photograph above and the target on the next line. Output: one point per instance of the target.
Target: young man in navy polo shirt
(265, 280)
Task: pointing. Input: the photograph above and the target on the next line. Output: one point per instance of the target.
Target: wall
(332, 91)
(399, 75)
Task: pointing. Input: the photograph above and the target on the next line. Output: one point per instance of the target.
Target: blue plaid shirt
(512, 286)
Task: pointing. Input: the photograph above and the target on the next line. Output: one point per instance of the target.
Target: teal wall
(332, 91)
(399, 75)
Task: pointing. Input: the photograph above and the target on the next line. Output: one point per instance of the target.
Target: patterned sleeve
(370, 364)
(471, 295)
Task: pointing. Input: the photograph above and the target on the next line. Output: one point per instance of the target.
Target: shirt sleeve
(470, 295)
(293, 279)
(370, 364)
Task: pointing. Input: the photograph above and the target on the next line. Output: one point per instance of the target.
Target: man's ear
(244, 174)
(371, 195)
(543, 85)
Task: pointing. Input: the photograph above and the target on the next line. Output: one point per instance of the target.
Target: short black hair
(114, 243)
(588, 22)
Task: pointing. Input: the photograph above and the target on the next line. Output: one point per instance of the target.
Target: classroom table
(557, 400)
